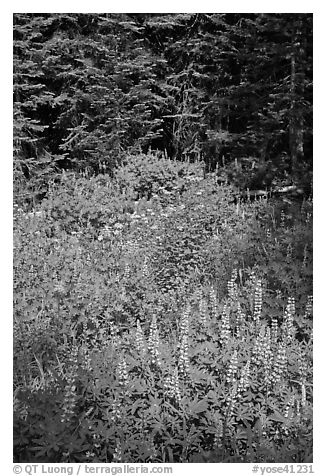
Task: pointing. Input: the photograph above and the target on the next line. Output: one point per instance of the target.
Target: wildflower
(252, 277)
(303, 369)
(240, 317)
(279, 364)
(116, 411)
(232, 369)
(172, 386)
(145, 270)
(244, 378)
(59, 288)
(89, 454)
(289, 251)
(232, 287)
(262, 355)
(114, 333)
(308, 218)
(183, 363)
(153, 342)
(309, 307)
(184, 321)
(258, 301)
(117, 455)
(298, 407)
(140, 341)
(274, 330)
(258, 349)
(198, 294)
(288, 407)
(213, 303)
(126, 272)
(288, 416)
(203, 311)
(291, 305)
(231, 399)
(122, 373)
(70, 396)
(305, 256)
(86, 361)
(225, 327)
(303, 395)
(288, 327)
(131, 247)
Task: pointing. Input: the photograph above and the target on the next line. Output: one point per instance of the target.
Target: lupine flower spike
(122, 373)
(203, 311)
(225, 328)
(279, 364)
(172, 386)
(258, 301)
(213, 304)
(288, 326)
(117, 455)
(140, 340)
(153, 342)
(70, 397)
(184, 357)
(232, 369)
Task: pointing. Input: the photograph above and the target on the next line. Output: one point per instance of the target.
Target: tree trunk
(296, 119)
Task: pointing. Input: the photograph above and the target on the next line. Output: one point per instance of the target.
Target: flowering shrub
(162, 331)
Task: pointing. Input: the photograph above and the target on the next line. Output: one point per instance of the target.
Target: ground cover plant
(157, 318)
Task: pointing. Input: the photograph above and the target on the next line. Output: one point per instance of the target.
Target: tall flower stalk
(140, 340)
(153, 342)
(279, 363)
(70, 396)
(258, 301)
(225, 332)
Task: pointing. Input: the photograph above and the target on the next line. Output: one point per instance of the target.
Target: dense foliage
(158, 321)
(90, 89)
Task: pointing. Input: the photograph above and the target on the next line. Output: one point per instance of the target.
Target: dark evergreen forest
(233, 90)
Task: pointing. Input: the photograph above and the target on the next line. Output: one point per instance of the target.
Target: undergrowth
(156, 320)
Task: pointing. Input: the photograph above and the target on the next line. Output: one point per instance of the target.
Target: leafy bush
(150, 175)
(86, 202)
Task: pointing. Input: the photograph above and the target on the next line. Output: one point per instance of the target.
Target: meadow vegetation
(159, 319)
